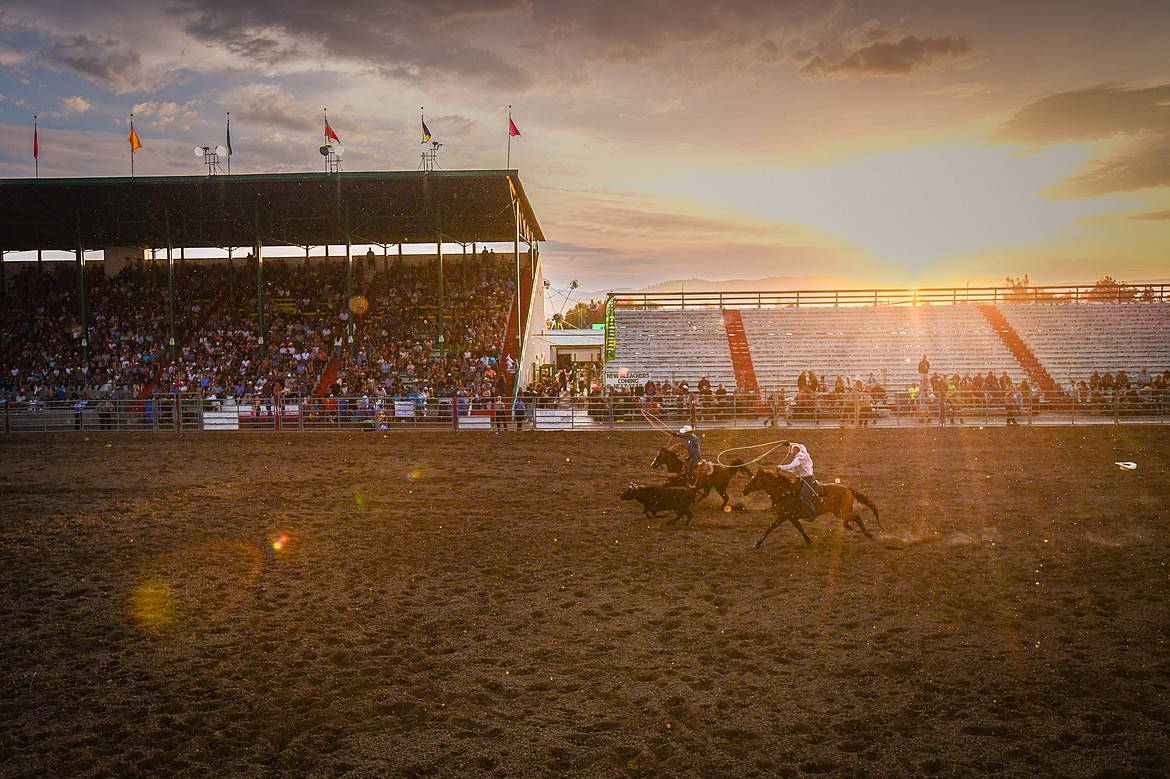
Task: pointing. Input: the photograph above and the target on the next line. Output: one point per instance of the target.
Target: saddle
(817, 488)
(704, 468)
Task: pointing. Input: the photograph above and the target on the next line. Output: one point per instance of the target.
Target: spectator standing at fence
(923, 371)
(778, 406)
(500, 414)
(518, 412)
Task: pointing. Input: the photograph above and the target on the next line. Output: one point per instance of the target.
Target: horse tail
(868, 503)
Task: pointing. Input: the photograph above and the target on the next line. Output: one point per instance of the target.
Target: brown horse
(717, 479)
(784, 489)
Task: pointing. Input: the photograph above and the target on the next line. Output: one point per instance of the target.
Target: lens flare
(359, 305)
(414, 474)
(280, 543)
(359, 500)
(154, 607)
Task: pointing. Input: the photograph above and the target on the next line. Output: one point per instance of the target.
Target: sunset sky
(900, 144)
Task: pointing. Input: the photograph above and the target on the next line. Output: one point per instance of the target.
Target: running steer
(656, 499)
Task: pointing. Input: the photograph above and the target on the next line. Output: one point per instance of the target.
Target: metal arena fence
(189, 413)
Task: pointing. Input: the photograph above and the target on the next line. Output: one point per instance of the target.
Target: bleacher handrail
(1061, 293)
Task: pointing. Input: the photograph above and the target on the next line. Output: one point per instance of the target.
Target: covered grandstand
(171, 231)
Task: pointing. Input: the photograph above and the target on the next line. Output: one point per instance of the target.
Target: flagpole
(229, 141)
(132, 147)
(36, 149)
(509, 167)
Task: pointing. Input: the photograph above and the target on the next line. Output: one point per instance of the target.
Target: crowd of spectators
(383, 341)
(1107, 393)
(383, 334)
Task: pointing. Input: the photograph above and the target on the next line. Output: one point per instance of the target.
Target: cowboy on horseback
(798, 462)
(691, 444)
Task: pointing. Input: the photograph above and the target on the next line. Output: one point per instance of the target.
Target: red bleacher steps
(198, 326)
(741, 353)
(328, 377)
(515, 322)
(1039, 375)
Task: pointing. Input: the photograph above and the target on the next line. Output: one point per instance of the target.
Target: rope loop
(773, 444)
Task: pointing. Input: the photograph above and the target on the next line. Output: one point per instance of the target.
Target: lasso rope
(657, 423)
(773, 444)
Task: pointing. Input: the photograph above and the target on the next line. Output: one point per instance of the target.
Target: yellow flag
(135, 144)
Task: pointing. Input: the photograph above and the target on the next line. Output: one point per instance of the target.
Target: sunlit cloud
(167, 116)
(1135, 120)
(72, 105)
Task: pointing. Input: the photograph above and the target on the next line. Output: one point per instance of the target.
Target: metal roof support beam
(81, 296)
(171, 343)
(442, 324)
(351, 317)
(519, 314)
(260, 286)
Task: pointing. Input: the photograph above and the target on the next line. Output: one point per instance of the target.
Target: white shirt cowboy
(800, 464)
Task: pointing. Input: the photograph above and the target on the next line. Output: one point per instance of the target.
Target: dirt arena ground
(441, 604)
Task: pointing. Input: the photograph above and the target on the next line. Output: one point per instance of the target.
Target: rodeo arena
(518, 548)
(239, 303)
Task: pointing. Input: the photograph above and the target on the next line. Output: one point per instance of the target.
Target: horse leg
(857, 518)
(768, 532)
(795, 523)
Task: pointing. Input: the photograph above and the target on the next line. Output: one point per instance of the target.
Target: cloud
(104, 62)
(167, 116)
(622, 31)
(268, 105)
(72, 105)
(1090, 113)
(1136, 120)
(871, 50)
(1154, 216)
(404, 40)
(517, 44)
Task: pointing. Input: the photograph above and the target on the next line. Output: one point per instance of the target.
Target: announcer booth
(116, 220)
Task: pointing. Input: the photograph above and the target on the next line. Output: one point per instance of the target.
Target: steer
(656, 499)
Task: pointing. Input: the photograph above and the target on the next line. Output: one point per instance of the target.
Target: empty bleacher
(674, 344)
(887, 341)
(1074, 340)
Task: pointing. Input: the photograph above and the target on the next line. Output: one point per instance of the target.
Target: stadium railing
(192, 412)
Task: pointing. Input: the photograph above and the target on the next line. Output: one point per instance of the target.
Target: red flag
(36, 146)
(329, 132)
(512, 131)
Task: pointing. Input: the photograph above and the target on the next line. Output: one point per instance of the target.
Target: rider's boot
(810, 507)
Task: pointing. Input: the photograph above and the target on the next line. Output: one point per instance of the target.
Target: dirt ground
(472, 604)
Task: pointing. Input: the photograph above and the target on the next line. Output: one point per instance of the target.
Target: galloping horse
(784, 489)
(718, 479)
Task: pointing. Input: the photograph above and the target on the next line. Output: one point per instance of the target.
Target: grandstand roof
(299, 209)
